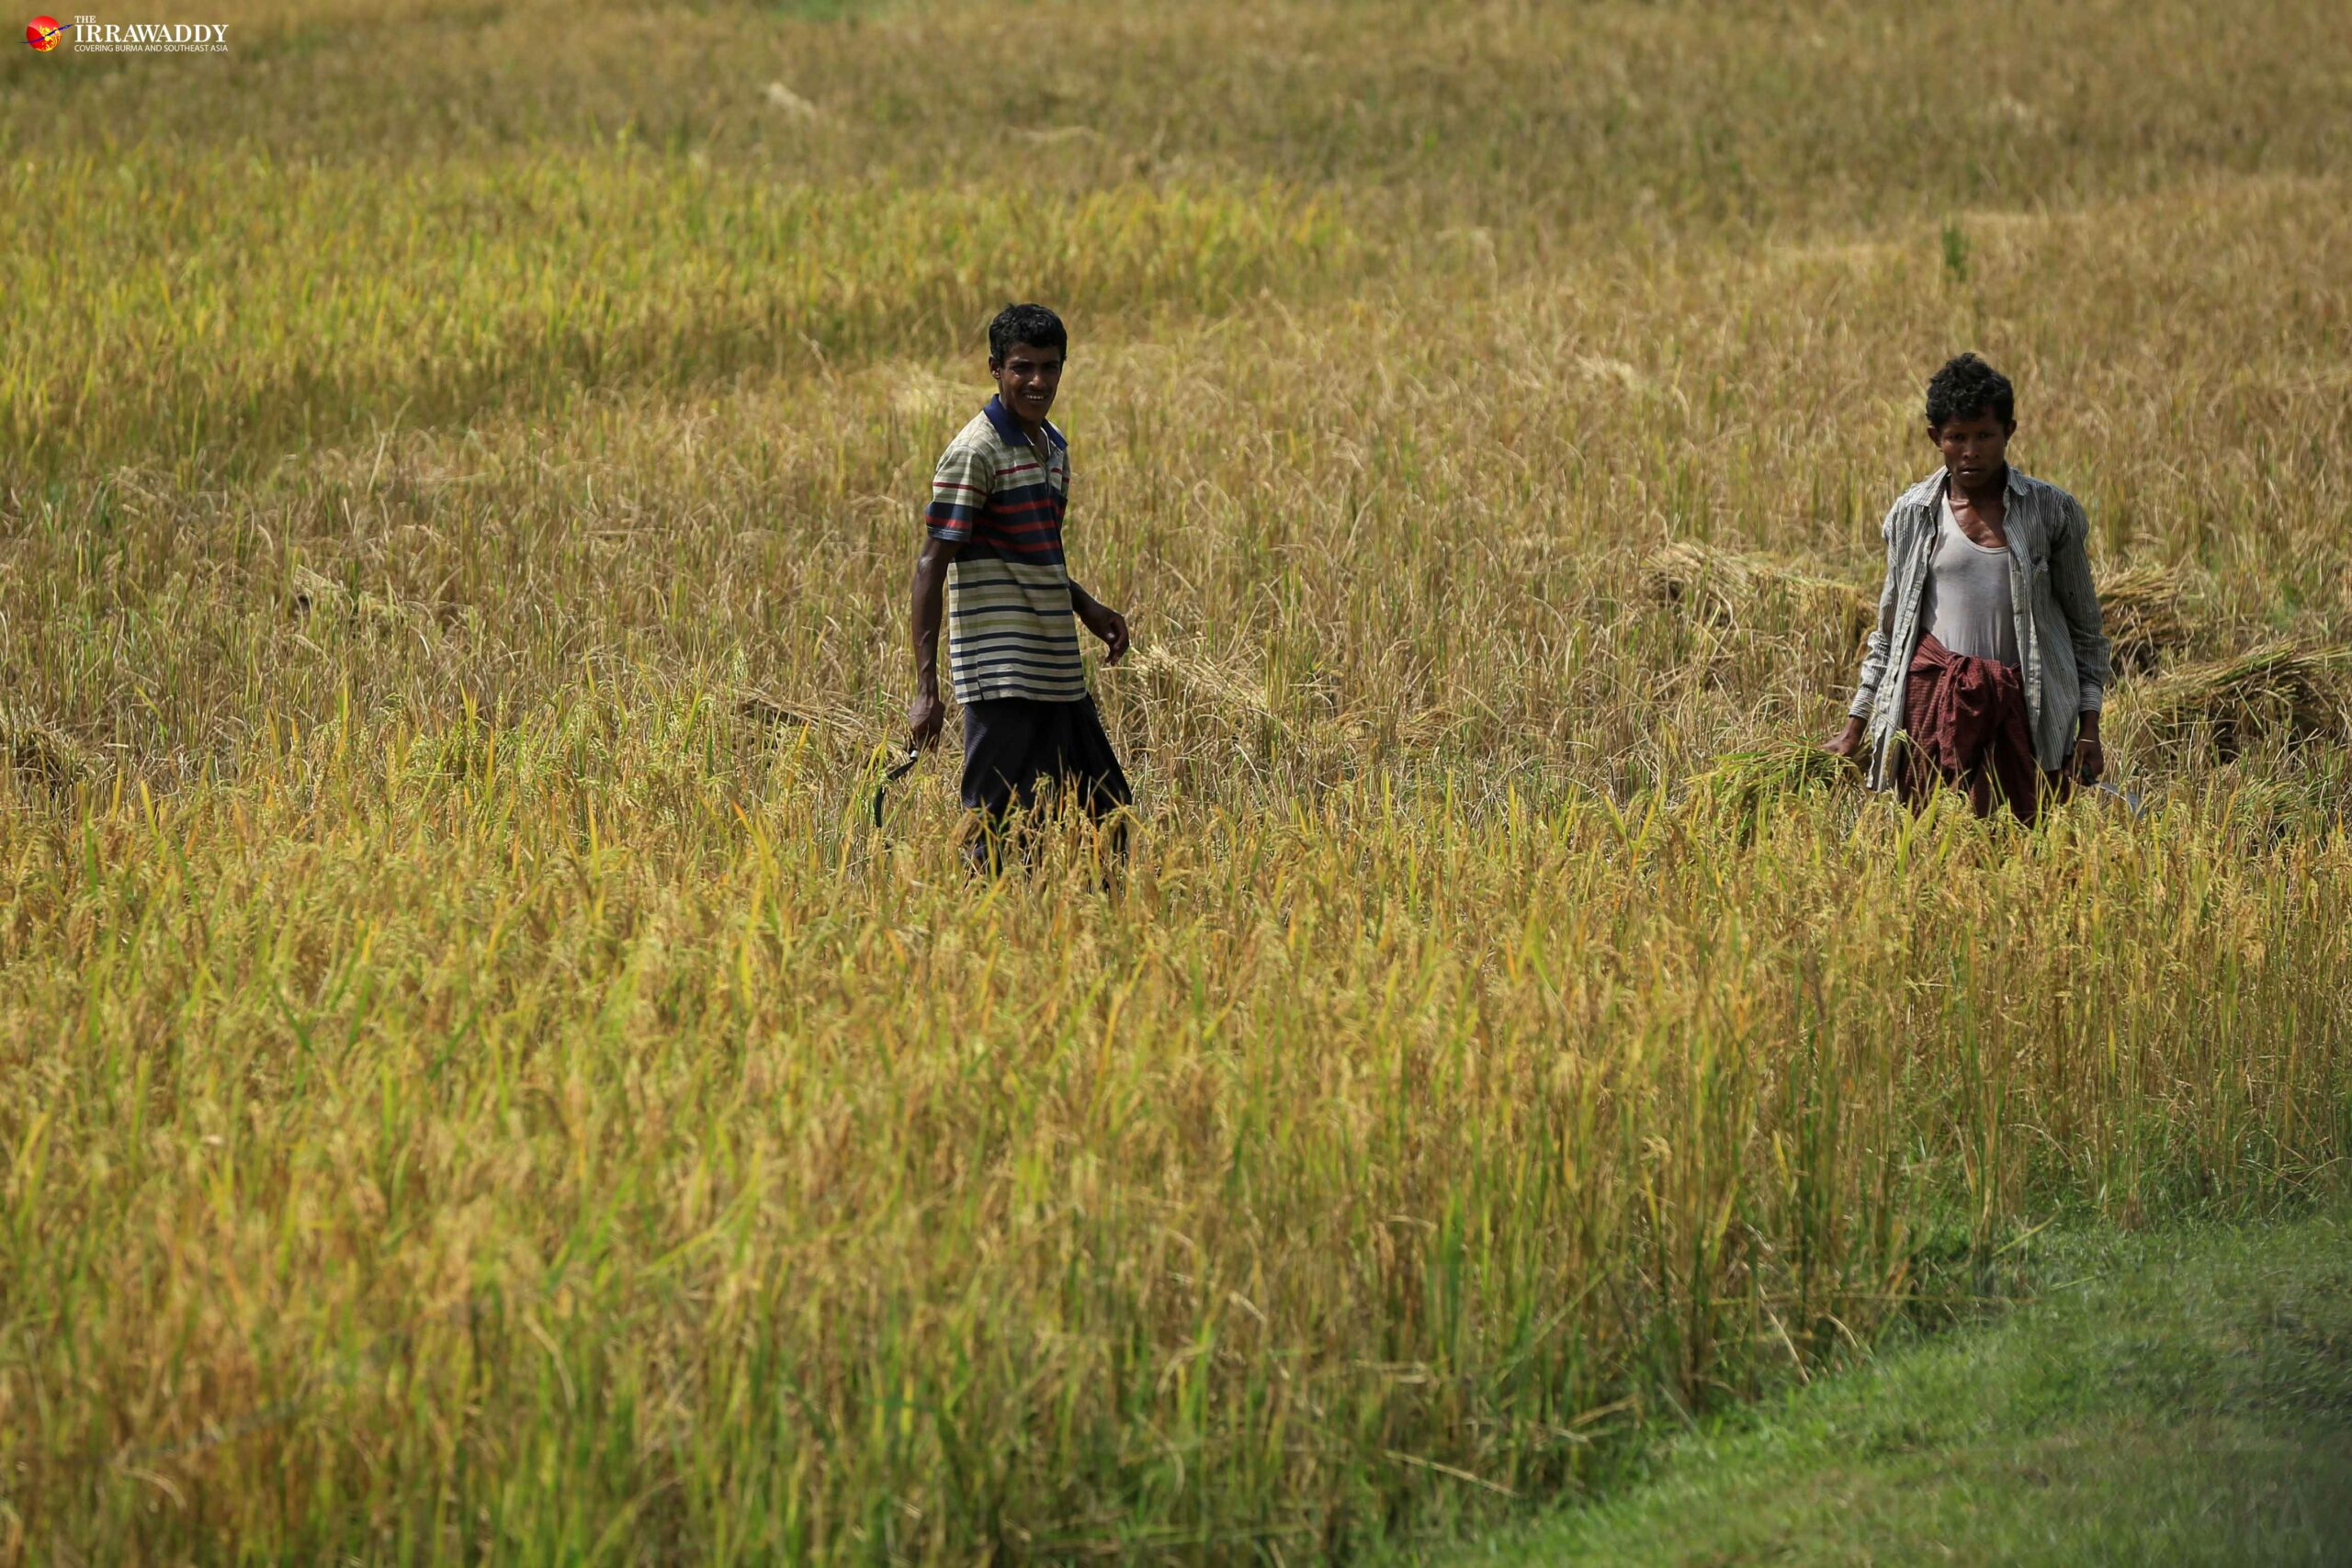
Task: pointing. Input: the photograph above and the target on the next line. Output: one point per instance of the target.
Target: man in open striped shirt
(994, 541)
(1988, 665)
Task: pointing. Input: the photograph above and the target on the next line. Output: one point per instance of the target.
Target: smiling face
(1026, 378)
(1975, 446)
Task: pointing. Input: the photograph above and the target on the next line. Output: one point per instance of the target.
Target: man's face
(1026, 378)
(1974, 446)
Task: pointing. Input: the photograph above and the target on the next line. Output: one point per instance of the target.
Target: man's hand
(1847, 742)
(1105, 623)
(925, 715)
(2090, 760)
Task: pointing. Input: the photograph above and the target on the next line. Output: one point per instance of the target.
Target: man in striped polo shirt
(994, 541)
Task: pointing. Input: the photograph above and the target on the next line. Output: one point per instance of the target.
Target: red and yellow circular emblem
(43, 33)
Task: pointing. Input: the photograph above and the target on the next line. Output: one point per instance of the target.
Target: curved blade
(2129, 800)
(898, 771)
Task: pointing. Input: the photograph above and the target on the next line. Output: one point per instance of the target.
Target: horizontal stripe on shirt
(974, 638)
(1037, 579)
(1011, 628)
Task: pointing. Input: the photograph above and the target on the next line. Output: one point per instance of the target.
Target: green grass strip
(2180, 1397)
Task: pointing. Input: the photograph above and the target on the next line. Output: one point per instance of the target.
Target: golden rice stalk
(1196, 677)
(764, 708)
(1726, 589)
(2279, 688)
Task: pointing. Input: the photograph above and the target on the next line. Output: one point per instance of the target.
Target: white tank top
(1967, 605)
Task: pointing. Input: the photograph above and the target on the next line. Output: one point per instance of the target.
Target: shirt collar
(1940, 483)
(1010, 428)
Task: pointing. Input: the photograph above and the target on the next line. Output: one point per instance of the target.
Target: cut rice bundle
(1742, 783)
(1199, 681)
(2282, 689)
(37, 750)
(2153, 614)
(1192, 717)
(1726, 589)
(787, 712)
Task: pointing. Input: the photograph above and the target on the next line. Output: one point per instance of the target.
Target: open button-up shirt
(2062, 651)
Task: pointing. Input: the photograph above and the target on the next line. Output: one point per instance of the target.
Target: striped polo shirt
(1011, 631)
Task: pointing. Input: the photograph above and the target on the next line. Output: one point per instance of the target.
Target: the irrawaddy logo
(87, 35)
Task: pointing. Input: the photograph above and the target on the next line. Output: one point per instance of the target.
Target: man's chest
(2022, 529)
(1979, 521)
(1029, 486)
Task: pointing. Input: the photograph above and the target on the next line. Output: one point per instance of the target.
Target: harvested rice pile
(2153, 613)
(1726, 589)
(37, 752)
(2280, 689)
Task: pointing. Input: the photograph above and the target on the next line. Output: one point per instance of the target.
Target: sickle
(898, 771)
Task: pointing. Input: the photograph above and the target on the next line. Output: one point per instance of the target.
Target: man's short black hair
(1967, 388)
(1031, 324)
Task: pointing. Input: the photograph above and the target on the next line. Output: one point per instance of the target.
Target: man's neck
(1990, 489)
(1036, 432)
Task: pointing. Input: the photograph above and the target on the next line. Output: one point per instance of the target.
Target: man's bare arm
(926, 712)
(1103, 621)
